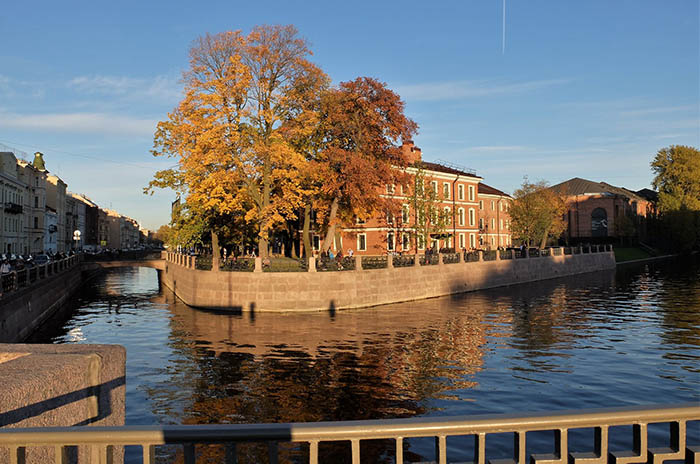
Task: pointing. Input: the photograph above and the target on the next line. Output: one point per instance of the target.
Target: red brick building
(494, 218)
(458, 190)
(598, 210)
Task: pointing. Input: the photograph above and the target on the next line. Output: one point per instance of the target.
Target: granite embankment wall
(29, 299)
(316, 291)
(61, 385)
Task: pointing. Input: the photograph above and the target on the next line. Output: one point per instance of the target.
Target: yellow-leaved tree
(233, 157)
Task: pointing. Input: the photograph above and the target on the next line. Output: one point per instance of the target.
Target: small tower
(39, 162)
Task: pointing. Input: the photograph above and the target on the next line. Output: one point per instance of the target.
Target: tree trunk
(330, 233)
(306, 230)
(215, 251)
(543, 243)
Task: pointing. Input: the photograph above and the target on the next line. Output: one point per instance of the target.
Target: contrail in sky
(503, 47)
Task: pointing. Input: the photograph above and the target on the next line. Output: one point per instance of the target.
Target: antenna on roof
(458, 167)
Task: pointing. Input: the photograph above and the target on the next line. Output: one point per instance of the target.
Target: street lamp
(76, 237)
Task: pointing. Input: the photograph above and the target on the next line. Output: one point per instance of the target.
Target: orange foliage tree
(233, 158)
(357, 153)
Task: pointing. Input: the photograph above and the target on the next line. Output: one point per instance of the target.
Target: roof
(428, 166)
(488, 190)
(578, 186)
(648, 194)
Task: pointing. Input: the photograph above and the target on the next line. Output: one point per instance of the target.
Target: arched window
(599, 223)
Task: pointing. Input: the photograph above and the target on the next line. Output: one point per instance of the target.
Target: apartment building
(494, 218)
(456, 192)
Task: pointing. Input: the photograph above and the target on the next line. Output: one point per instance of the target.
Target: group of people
(13, 262)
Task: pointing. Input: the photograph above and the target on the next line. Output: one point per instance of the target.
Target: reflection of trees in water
(378, 371)
(679, 302)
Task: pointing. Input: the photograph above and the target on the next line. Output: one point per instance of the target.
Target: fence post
(358, 263)
(498, 254)
(258, 264)
(416, 259)
(312, 263)
(389, 261)
(481, 254)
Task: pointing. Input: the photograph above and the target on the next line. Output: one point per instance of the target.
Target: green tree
(537, 213)
(429, 219)
(677, 170)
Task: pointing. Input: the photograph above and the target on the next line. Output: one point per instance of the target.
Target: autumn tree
(537, 213)
(360, 131)
(233, 158)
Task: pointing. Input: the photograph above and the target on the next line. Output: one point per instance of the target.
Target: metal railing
(102, 440)
(374, 262)
(404, 260)
(14, 280)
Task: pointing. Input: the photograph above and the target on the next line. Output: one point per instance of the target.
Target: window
(461, 216)
(405, 211)
(460, 191)
(390, 189)
(36, 222)
(471, 193)
(471, 216)
(493, 241)
(435, 186)
(389, 217)
(461, 240)
(481, 204)
(481, 223)
(361, 242)
(317, 242)
(446, 190)
(36, 202)
(390, 241)
(472, 240)
(448, 216)
(493, 206)
(359, 221)
(500, 205)
(493, 223)
(501, 224)
(405, 242)
(421, 242)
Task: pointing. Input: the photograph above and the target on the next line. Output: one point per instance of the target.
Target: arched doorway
(599, 223)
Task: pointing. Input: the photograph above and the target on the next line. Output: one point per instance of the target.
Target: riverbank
(359, 288)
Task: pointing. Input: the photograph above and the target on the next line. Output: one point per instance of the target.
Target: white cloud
(452, 90)
(158, 88)
(92, 123)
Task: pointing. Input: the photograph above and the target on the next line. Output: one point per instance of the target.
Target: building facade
(454, 194)
(494, 218)
(597, 210)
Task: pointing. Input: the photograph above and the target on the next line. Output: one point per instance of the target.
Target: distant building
(494, 217)
(12, 194)
(598, 210)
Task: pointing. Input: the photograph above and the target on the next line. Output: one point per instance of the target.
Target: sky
(589, 89)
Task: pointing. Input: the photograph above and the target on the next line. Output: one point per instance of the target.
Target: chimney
(411, 152)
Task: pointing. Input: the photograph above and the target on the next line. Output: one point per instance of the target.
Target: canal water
(605, 339)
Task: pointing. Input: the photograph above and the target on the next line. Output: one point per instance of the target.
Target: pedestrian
(5, 268)
(350, 253)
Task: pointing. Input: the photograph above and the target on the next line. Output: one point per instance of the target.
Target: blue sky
(589, 88)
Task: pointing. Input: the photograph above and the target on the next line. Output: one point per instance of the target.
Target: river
(605, 339)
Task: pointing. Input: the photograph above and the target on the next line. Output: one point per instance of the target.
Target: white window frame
(364, 237)
(405, 241)
(391, 244)
(461, 216)
(472, 240)
(471, 193)
(446, 190)
(405, 214)
(493, 223)
(460, 191)
(421, 242)
(471, 217)
(434, 186)
(448, 215)
(461, 241)
(493, 205)
(390, 189)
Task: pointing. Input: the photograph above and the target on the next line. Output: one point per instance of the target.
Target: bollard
(389, 261)
(481, 254)
(258, 264)
(312, 263)
(440, 256)
(358, 263)
(416, 259)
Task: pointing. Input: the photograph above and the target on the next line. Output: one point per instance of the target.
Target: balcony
(13, 208)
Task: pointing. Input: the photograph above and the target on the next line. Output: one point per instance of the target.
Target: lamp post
(76, 238)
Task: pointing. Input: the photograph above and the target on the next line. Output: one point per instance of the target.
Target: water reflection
(597, 340)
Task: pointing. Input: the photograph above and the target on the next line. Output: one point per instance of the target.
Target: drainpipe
(454, 223)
